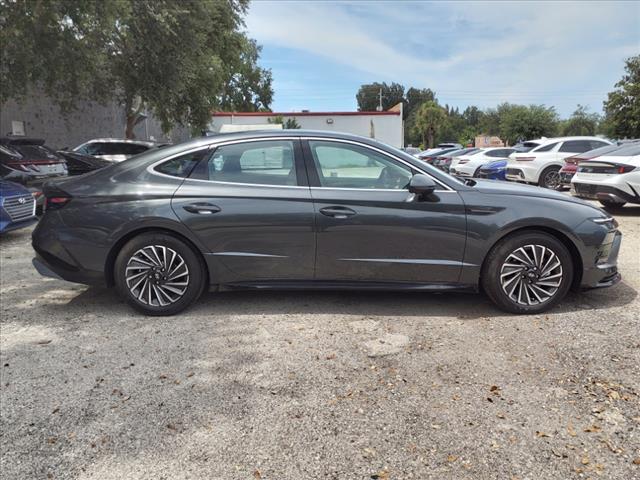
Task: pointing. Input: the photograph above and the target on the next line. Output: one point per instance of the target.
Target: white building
(387, 126)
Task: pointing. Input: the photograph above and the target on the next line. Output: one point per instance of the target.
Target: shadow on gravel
(398, 304)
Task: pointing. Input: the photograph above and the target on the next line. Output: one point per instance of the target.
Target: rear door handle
(337, 212)
(202, 208)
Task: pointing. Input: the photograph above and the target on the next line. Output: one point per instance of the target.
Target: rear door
(370, 228)
(249, 203)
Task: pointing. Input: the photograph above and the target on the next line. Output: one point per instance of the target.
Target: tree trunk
(132, 120)
(430, 136)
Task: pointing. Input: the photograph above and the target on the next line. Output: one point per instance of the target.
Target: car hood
(498, 187)
(9, 189)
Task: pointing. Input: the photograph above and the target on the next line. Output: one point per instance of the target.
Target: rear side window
(547, 148)
(181, 166)
(576, 146)
(269, 162)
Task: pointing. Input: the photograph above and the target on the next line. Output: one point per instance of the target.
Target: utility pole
(379, 108)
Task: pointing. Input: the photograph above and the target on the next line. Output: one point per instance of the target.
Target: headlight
(609, 222)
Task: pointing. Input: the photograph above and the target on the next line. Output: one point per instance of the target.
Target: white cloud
(525, 52)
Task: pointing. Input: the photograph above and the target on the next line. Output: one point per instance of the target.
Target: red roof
(299, 114)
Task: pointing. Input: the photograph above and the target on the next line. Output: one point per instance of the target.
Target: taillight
(525, 159)
(55, 203)
(626, 168)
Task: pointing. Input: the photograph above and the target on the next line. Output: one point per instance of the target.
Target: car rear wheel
(159, 274)
(550, 178)
(527, 272)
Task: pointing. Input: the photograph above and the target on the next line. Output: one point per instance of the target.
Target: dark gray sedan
(302, 209)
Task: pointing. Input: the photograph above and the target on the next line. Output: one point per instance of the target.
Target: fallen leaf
(451, 458)
(256, 474)
(541, 434)
(636, 461)
(52, 440)
(500, 415)
(585, 460)
(593, 429)
(190, 374)
(571, 430)
(330, 356)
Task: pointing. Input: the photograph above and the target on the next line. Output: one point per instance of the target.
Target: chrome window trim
(210, 146)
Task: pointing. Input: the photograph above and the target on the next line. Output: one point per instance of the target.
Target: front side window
(342, 165)
(269, 162)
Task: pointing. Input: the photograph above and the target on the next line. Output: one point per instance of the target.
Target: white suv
(612, 178)
(541, 166)
(468, 165)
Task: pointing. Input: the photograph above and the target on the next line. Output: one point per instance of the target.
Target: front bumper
(604, 271)
(522, 172)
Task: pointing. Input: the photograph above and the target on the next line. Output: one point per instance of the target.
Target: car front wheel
(159, 274)
(527, 272)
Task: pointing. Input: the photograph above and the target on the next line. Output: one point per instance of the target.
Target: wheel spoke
(157, 275)
(531, 275)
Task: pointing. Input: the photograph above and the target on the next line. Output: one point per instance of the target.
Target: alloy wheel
(157, 275)
(531, 275)
(551, 180)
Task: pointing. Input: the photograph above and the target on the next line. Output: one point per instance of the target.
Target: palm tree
(430, 118)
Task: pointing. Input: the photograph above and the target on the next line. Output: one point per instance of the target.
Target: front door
(249, 204)
(370, 228)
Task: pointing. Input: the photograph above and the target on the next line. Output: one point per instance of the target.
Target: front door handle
(202, 208)
(337, 212)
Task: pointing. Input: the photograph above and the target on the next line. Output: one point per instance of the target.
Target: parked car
(494, 170)
(79, 164)
(412, 151)
(430, 155)
(30, 162)
(17, 206)
(302, 209)
(450, 145)
(469, 165)
(114, 149)
(443, 162)
(571, 163)
(612, 178)
(541, 165)
(529, 145)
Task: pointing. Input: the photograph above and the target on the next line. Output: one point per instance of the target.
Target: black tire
(550, 178)
(191, 284)
(492, 273)
(612, 206)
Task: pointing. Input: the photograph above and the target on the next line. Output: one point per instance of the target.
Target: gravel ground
(272, 385)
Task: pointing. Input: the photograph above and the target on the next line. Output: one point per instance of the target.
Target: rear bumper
(603, 192)
(54, 259)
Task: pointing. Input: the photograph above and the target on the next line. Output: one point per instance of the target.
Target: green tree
(368, 96)
(581, 122)
(429, 120)
(288, 124)
(521, 122)
(416, 97)
(180, 60)
(622, 107)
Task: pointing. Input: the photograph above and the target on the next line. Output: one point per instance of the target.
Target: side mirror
(422, 185)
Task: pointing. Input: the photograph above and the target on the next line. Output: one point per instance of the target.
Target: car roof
(576, 137)
(122, 140)
(21, 141)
